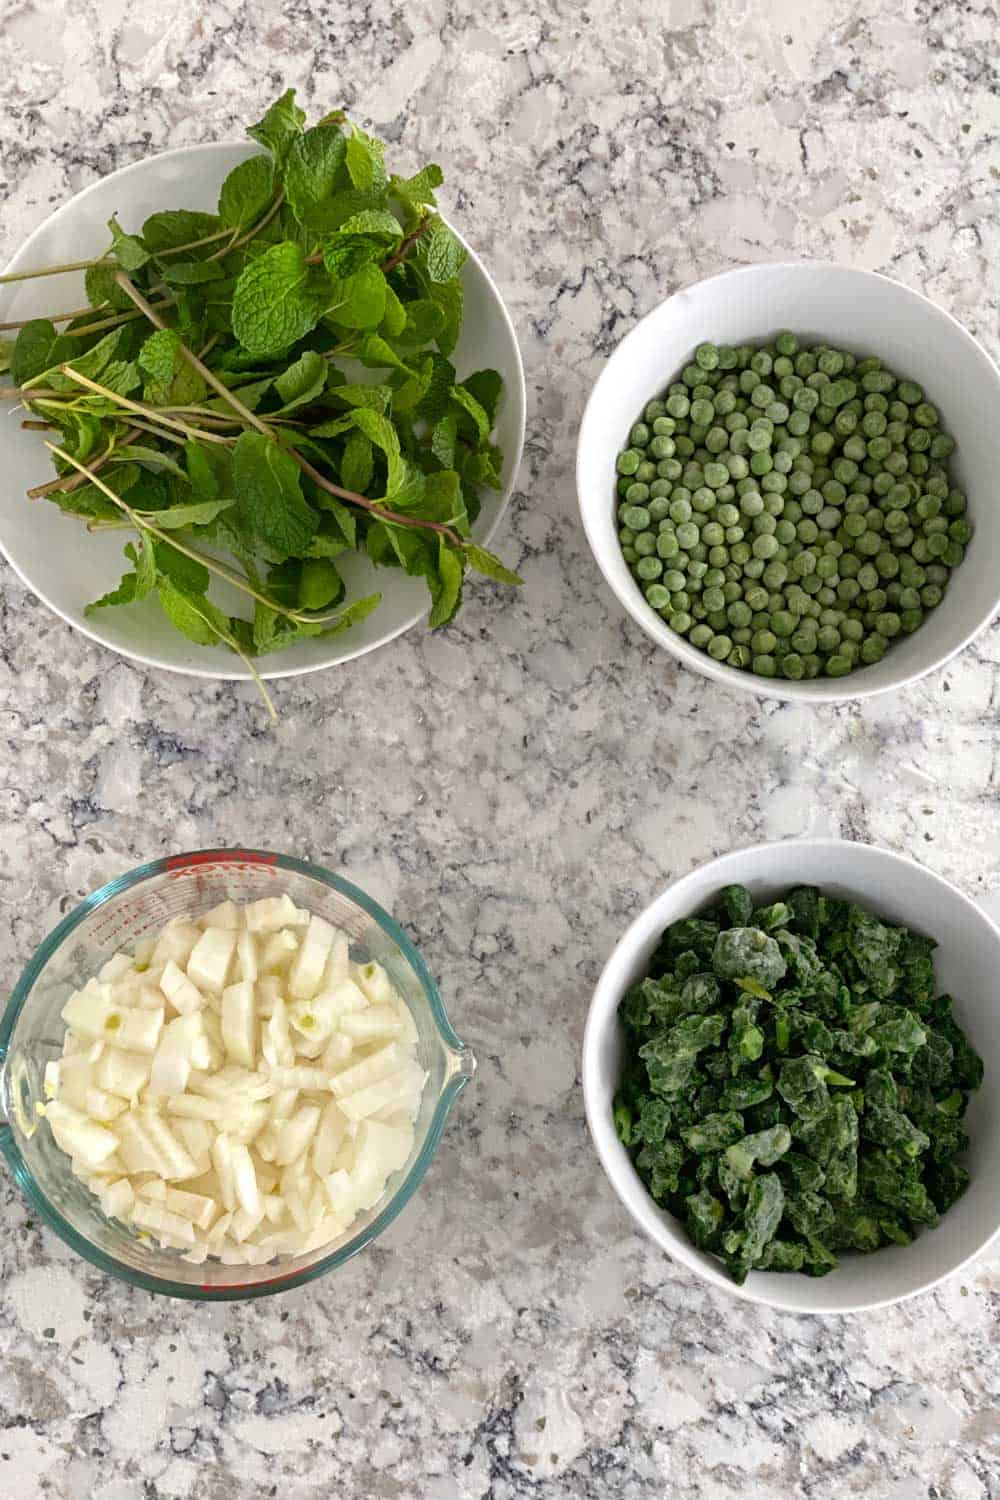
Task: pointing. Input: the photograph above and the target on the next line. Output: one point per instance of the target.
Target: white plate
(67, 568)
(966, 965)
(857, 310)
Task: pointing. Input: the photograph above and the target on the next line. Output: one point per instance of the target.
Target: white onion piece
(239, 1022)
(211, 959)
(183, 994)
(226, 915)
(238, 1088)
(278, 951)
(310, 963)
(175, 943)
(272, 913)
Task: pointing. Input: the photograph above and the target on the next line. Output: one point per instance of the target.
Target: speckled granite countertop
(515, 789)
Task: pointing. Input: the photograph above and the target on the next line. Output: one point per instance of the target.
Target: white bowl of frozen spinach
(335, 460)
(785, 475)
(768, 1051)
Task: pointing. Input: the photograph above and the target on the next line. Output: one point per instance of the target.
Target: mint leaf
(280, 127)
(383, 434)
(209, 470)
(174, 227)
(436, 402)
(153, 459)
(484, 467)
(270, 507)
(491, 567)
(425, 320)
(159, 354)
(121, 376)
(364, 162)
(357, 464)
(302, 382)
(353, 614)
(37, 348)
(378, 397)
(312, 166)
(444, 253)
(342, 515)
(102, 287)
(419, 189)
(448, 591)
(320, 585)
(190, 576)
(191, 272)
(471, 407)
(486, 386)
(251, 395)
(133, 586)
(350, 253)
(394, 320)
(374, 221)
(359, 300)
(286, 634)
(412, 391)
(377, 354)
(450, 298)
(246, 192)
(194, 615)
(170, 379)
(128, 250)
(326, 544)
(335, 428)
(273, 303)
(442, 501)
(443, 440)
(199, 513)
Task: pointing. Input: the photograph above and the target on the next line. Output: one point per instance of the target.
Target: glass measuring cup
(115, 917)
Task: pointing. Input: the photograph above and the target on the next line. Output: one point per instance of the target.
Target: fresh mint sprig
(273, 380)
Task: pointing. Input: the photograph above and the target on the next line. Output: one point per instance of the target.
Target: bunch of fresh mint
(216, 395)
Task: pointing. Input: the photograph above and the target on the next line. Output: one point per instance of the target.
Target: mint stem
(374, 506)
(245, 239)
(196, 364)
(151, 413)
(70, 265)
(406, 246)
(64, 485)
(113, 322)
(66, 317)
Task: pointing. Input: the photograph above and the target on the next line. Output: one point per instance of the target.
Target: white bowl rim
(269, 674)
(602, 1131)
(816, 691)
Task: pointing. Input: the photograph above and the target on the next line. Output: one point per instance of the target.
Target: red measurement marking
(223, 857)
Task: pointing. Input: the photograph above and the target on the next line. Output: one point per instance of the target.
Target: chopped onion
(237, 1088)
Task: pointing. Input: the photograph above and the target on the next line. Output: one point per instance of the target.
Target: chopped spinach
(793, 1087)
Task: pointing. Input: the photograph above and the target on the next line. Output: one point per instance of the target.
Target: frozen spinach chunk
(748, 953)
(792, 1087)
